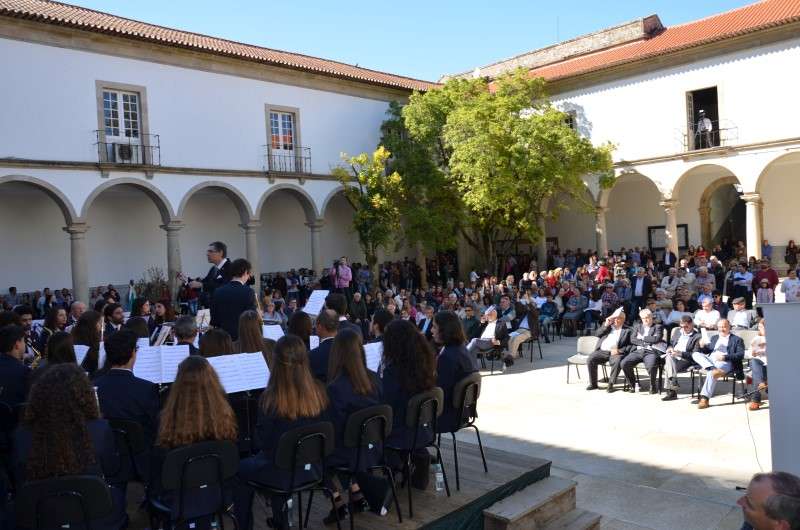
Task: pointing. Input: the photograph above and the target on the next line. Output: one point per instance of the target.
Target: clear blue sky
(422, 39)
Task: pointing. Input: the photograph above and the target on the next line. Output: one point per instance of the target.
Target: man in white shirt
(791, 287)
(704, 128)
(614, 344)
(741, 318)
(707, 317)
(717, 357)
(493, 334)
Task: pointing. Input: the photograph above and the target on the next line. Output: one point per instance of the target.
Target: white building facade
(143, 150)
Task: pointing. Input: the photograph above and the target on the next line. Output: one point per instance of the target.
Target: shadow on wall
(582, 123)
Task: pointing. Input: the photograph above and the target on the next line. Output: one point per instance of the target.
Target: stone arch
(627, 209)
(701, 169)
(233, 193)
(705, 206)
(792, 157)
(605, 194)
(63, 203)
(333, 193)
(302, 196)
(156, 195)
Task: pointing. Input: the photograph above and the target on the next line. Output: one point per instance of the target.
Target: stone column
(173, 255)
(541, 245)
(601, 237)
(671, 225)
(79, 261)
(251, 250)
(316, 252)
(705, 226)
(754, 232)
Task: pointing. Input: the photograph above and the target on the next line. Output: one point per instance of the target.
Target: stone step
(532, 507)
(576, 519)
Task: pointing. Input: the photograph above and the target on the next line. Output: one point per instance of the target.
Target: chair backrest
(245, 407)
(63, 502)
(465, 398)
(746, 335)
(587, 345)
(130, 442)
(309, 444)
(424, 408)
(367, 426)
(200, 465)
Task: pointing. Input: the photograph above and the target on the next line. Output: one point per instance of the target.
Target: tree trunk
(423, 273)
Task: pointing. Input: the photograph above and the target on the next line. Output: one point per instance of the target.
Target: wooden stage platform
(433, 510)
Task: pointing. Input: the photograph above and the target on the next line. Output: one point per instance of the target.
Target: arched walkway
(633, 205)
(290, 229)
(157, 197)
(572, 222)
(778, 188)
(338, 237)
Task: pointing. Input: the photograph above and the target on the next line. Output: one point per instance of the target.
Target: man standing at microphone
(341, 275)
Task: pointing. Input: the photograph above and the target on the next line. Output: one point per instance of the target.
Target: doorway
(702, 119)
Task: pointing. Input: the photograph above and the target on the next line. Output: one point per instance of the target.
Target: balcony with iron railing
(296, 160)
(142, 151)
(723, 133)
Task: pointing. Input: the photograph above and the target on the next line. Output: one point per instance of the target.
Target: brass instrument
(37, 355)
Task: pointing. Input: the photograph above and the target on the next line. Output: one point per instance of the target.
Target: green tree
(375, 196)
(504, 151)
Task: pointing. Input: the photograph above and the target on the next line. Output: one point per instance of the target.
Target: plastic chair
(585, 347)
(63, 502)
(465, 400)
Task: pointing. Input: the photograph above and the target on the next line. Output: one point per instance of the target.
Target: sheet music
(315, 302)
(374, 354)
(171, 357)
(148, 364)
(101, 356)
(80, 352)
(704, 335)
(143, 343)
(163, 334)
(203, 318)
(241, 371)
(272, 331)
(313, 341)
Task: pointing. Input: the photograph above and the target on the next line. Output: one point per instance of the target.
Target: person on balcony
(704, 128)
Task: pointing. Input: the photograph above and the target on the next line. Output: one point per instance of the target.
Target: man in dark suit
(114, 317)
(493, 334)
(14, 375)
(380, 320)
(683, 343)
(426, 324)
(327, 326)
(645, 335)
(185, 330)
(721, 355)
(614, 345)
(124, 396)
(641, 290)
(670, 259)
(220, 272)
(233, 299)
(338, 303)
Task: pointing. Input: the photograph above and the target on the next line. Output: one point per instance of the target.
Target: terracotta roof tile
(747, 19)
(90, 20)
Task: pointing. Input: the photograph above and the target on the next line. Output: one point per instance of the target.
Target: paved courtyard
(640, 462)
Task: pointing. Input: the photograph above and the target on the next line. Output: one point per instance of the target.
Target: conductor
(233, 299)
(220, 272)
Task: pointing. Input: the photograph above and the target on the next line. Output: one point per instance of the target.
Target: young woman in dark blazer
(452, 364)
(352, 387)
(86, 332)
(293, 398)
(62, 434)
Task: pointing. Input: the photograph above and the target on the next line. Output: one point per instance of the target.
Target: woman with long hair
(141, 308)
(216, 341)
(139, 326)
(60, 349)
(351, 387)
(197, 410)
(163, 314)
(86, 332)
(293, 398)
(62, 434)
(452, 364)
(300, 324)
(55, 320)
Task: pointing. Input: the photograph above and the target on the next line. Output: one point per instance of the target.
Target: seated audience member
(87, 333)
(14, 375)
(741, 318)
(337, 302)
(216, 341)
(594, 309)
(358, 311)
(765, 294)
(772, 502)
(722, 354)
(380, 319)
(328, 325)
(506, 311)
(272, 315)
(682, 345)
(293, 398)
(76, 309)
(426, 324)
(645, 337)
(613, 346)
(299, 324)
(758, 365)
(114, 317)
(719, 305)
(55, 320)
(351, 388)
(62, 433)
(453, 364)
(409, 368)
(574, 312)
(494, 335)
(185, 330)
(520, 329)
(790, 287)
(470, 323)
(122, 395)
(548, 312)
(707, 317)
(183, 422)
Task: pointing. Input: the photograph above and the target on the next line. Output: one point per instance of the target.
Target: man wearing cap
(613, 346)
(493, 334)
(704, 128)
(683, 343)
(721, 354)
(646, 337)
(741, 318)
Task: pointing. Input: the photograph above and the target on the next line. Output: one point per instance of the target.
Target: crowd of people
(671, 312)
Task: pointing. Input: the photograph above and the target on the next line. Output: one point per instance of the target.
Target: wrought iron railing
(723, 133)
(297, 160)
(145, 150)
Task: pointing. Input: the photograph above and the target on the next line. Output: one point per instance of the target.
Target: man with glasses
(683, 343)
(470, 323)
(219, 274)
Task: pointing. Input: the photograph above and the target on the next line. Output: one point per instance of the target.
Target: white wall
(48, 110)
(632, 207)
(283, 239)
(780, 193)
(338, 237)
(209, 216)
(574, 227)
